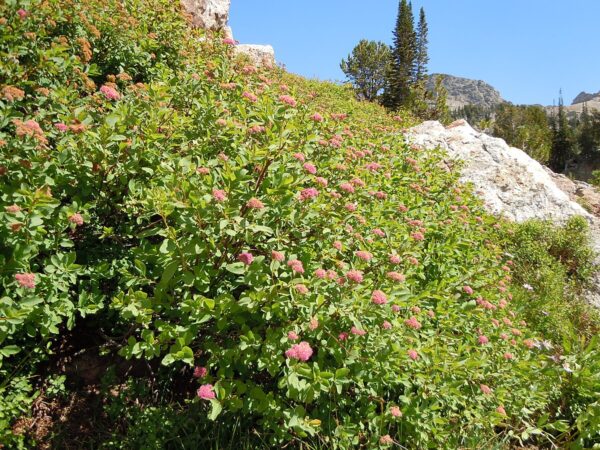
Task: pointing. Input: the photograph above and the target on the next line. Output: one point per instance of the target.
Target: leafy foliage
(367, 67)
(284, 264)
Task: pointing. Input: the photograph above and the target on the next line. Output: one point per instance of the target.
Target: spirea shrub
(283, 250)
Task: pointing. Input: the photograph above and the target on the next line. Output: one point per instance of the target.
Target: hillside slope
(199, 253)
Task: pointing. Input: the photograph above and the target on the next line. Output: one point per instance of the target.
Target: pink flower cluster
(310, 168)
(26, 280)
(206, 392)
(76, 218)
(378, 297)
(355, 276)
(288, 100)
(296, 265)
(200, 372)
(413, 323)
(255, 203)
(246, 258)
(110, 93)
(301, 351)
(308, 193)
(364, 255)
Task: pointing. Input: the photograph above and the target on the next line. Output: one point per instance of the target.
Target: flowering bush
(276, 247)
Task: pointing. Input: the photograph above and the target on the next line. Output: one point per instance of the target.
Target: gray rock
(511, 183)
(208, 14)
(260, 55)
(464, 91)
(585, 97)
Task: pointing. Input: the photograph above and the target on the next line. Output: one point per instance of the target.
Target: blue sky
(527, 49)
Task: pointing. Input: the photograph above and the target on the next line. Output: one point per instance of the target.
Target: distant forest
(567, 142)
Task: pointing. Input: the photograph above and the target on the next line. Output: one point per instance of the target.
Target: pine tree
(562, 145)
(366, 68)
(422, 58)
(402, 69)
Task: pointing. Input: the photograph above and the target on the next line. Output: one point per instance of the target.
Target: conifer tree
(422, 58)
(562, 142)
(402, 68)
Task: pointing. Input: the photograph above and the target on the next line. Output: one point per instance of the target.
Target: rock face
(513, 184)
(214, 15)
(464, 91)
(261, 55)
(585, 97)
(510, 182)
(208, 14)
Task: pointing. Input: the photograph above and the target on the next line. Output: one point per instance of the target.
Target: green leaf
(215, 409)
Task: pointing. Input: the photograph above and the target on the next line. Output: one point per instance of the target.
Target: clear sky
(527, 49)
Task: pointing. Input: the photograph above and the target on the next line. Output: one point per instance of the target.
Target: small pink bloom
(378, 297)
(301, 289)
(22, 13)
(200, 372)
(12, 209)
(396, 276)
(528, 343)
(76, 218)
(229, 41)
(26, 280)
(292, 335)
(206, 392)
(61, 127)
(308, 193)
(343, 336)
(219, 195)
(296, 265)
(256, 129)
(221, 122)
(431, 314)
(355, 276)
(110, 93)
(310, 168)
(357, 331)
(246, 258)
(386, 440)
(508, 356)
(347, 187)
(255, 203)
(415, 309)
(316, 117)
(350, 207)
(380, 195)
(277, 256)
(500, 410)
(386, 325)
(412, 354)
(395, 259)
(321, 273)
(322, 181)
(299, 157)
(314, 323)
(413, 323)
(287, 100)
(364, 255)
(485, 389)
(337, 245)
(468, 290)
(301, 351)
(402, 208)
(250, 97)
(395, 308)
(202, 170)
(379, 232)
(395, 411)
(483, 339)
(417, 236)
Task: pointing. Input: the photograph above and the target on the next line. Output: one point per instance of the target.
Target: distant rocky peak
(585, 97)
(465, 91)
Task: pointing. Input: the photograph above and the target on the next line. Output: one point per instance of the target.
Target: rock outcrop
(513, 184)
(464, 91)
(260, 55)
(214, 15)
(208, 14)
(583, 97)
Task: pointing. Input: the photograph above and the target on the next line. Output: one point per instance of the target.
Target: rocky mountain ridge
(466, 91)
(583, 97)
